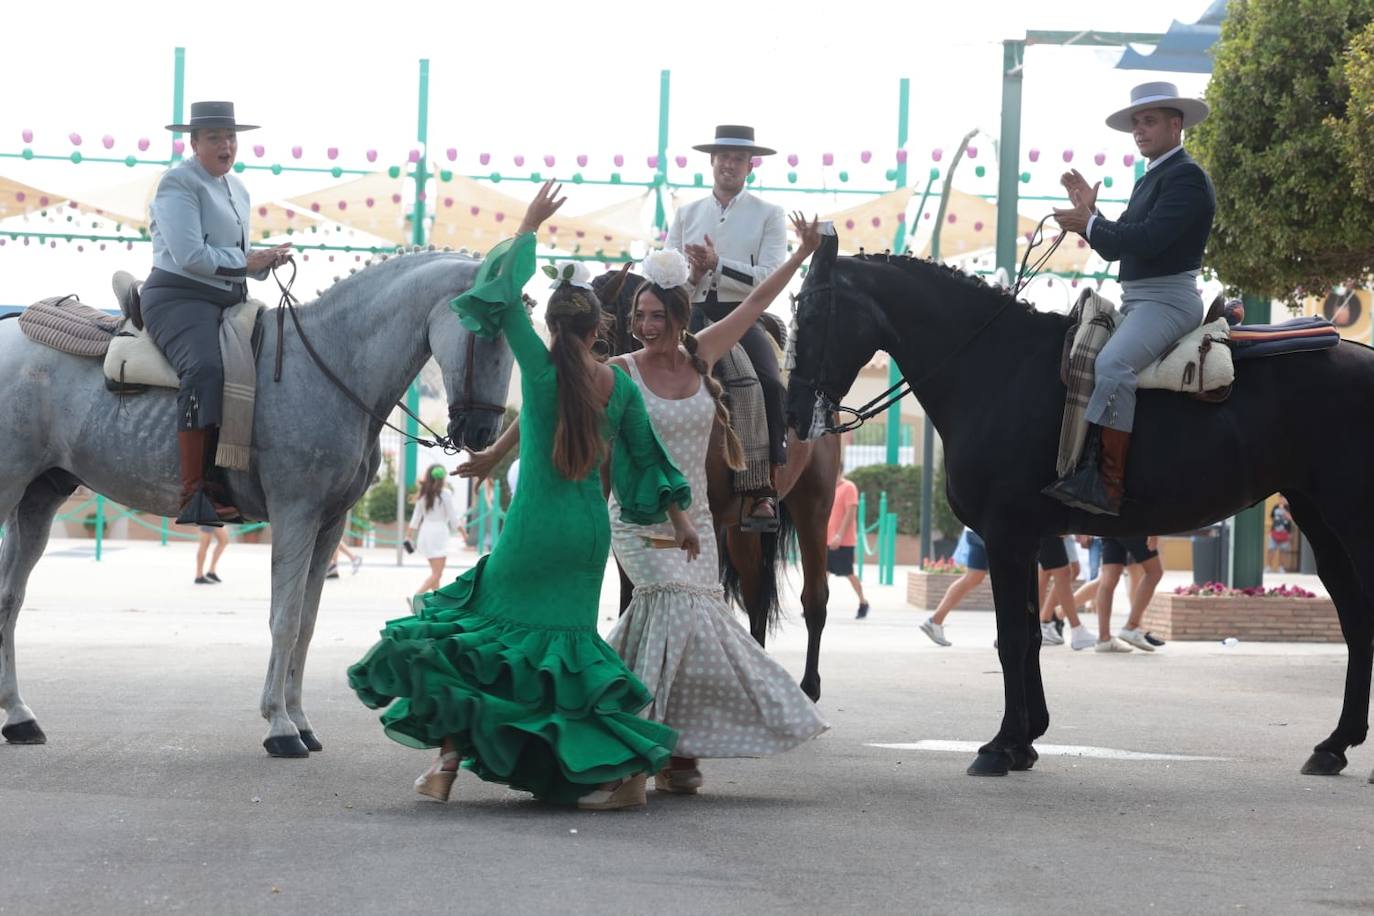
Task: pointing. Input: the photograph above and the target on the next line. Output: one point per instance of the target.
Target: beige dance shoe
(628, 793)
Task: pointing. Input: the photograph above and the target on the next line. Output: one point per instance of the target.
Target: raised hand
(1081, 194)
(544, 205)
(479, 465)
(808, 234)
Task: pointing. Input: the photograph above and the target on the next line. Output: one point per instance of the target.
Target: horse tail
(774, 547)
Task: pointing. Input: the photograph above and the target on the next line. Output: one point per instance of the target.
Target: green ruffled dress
(506, 660)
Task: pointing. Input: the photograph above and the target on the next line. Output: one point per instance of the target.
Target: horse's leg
(746, 555)
(294, 550)
(1011, 562)
(325, 543)
(1037, 710)
(627, 588)
(26, 534)
(1356, 613)
(811, 519)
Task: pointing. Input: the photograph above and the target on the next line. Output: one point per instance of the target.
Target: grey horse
(314, 450)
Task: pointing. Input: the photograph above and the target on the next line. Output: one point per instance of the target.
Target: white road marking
(1051, 750)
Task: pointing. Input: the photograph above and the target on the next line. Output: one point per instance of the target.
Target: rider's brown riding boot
(1095, 484)
(1115, 444)
(197, 508)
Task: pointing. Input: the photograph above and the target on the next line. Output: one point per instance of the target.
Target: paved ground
(153, 794)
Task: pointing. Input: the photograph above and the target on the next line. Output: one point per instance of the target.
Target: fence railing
(885, 528)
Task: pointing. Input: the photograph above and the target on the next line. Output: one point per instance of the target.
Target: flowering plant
(1218, 590)
(943, 566)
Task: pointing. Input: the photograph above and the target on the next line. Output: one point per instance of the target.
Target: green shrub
(902, 483)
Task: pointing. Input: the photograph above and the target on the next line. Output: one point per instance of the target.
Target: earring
(600, 349)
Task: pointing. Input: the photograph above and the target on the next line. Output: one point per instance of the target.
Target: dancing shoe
(437, 782)
(678, 782)
(627, 793)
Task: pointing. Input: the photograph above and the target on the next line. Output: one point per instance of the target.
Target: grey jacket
(200, 226)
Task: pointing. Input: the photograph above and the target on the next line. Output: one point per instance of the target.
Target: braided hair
(678, 304)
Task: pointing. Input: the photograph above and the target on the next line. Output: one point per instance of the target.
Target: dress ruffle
(497, 285)
(548, 710)
(646, 491)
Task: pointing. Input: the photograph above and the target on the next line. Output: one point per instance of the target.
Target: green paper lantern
(394, 171)
(276, 168)
(750, 179)
(445, 175)
(130, 161)
(238, 166)
(697, 179)
(891, 174)
(336, 172)
(934, 173)
(28, 154)
(844, 176)
(76, 157)
(1025, 177)
(615, 178)
(495, 177)
(1107, 181)
(791, 177)
(980, 171)
(536, 177)
(577, 178)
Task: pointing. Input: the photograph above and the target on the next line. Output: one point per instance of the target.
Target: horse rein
(288, 304)
(1023, 278)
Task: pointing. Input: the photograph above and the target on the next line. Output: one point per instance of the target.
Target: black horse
(985, 368)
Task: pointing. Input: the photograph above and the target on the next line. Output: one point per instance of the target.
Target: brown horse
(753, 564)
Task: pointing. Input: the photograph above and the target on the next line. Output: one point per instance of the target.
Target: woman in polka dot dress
(710, 680)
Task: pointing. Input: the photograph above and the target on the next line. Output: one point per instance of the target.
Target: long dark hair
(432, 485)
(578, 446)
(679, 307)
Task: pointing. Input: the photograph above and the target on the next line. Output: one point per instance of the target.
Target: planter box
(924, 590)
(1195, 617)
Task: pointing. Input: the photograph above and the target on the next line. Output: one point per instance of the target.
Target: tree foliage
(1286, 221)
(1356, 131)
(902, 484)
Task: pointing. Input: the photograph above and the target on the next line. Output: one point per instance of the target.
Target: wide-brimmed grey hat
(205, 115)
(1158, 95)
(730, 137)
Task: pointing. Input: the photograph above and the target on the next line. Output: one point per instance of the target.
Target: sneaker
(1135, 638)
(357, 563)
(935, 631)
(213, 578)
(1111, 645)
(863, 611)
(332, 572)
(1081, 639)
(201, 580)
(1059, 625)
(1152, 639)
(1049, 637)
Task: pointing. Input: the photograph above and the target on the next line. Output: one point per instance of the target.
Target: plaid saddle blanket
(1200, 364)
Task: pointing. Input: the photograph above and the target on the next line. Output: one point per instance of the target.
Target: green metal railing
(885, 527)
(486, 518)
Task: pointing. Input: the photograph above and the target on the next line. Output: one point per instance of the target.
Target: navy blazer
(1165, 227)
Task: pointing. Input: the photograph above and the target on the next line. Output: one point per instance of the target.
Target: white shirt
(443, 512)
(1088, 233)
(750, 237)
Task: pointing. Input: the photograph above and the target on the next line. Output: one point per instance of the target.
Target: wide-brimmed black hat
(211, 115)
(734, 137)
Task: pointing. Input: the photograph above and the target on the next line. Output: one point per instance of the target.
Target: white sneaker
(1135, 638)
(1111, 645)
(935, 632)
(1048, 635)
(1082, 639)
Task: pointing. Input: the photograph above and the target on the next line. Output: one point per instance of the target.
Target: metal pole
(1009, 155)
(400, 512)
(178, 96)
(862, 540)
(894, 374)
(99, 525)
(417, 236)
(661, 173)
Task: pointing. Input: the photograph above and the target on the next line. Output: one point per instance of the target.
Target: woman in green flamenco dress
(503, 669)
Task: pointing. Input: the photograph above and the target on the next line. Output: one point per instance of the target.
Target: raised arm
(716, 340)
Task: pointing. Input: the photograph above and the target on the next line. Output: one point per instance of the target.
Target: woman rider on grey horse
(201, 265)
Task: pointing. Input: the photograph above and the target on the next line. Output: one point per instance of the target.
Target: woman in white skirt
(435, 517)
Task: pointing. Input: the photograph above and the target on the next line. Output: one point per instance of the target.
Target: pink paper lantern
(952, 217)
(262, 211)
(27, 135)
(178, 147)
(370, 202)
(414, 155)
(1100, 158)
(901, 156)
(653, 161)
(259, 150)
(372, 155)
(474, 210)
(519, 161)
(582, 160)
(448, 201)
(485, 158)
(581, 233)
(681, 162)
(19, 196)
(926, 215)
(290, 214)
(849, 224)
(343, 205)
(451, 153)
(143, 144)
(756, 161)
(792, 159)
(500, 217)
(1128, 160)
(1082, 243)
(876, 221)
(553, 230)
(332, 152)
(548, 161)
(315, 207)
(296, 152)
(107, 141)
(618, 159)
(43, 201)
(978, 225)
(395, 198)
(827, 158)
(1034, 155)
(1068, 155)
(865, 156)
(75, 138)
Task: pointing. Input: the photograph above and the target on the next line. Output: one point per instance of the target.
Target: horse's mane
(387, 262)
(976, 286)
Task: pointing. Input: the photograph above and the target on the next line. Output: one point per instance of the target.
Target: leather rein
(287, 305)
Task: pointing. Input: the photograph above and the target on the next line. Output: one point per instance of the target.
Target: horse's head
(836, 332)
(476, 373)
(616, 290)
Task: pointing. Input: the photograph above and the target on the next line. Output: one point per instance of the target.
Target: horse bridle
(287, 305)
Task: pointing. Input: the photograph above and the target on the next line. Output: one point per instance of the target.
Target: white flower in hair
(574, 273)
(666, 268)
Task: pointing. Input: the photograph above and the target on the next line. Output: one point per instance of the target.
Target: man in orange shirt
(842, 536)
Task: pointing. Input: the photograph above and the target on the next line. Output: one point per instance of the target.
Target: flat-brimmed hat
(1158, 95)
(206, 115)
(730, 137)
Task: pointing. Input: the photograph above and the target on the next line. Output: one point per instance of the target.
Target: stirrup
(760, 524)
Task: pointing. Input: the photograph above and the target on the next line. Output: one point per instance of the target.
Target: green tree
(1286, 221)
(1356, 131)
(902, 484)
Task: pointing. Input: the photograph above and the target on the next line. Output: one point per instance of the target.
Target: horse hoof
(812, 689)
(286, 746)
(1324, 763)
(990, 763)
(312, 744)
(1023, 759)
(24, 733)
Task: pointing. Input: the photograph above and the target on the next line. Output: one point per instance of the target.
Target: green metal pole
(1009, 155)
(495, 513)
(894, 374)
(99, 525)
(178, 96)
(862, 539)
(163, 532)
(661, 173)
(417, 236)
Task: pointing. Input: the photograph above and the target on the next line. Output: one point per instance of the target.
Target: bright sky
(561, 79)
